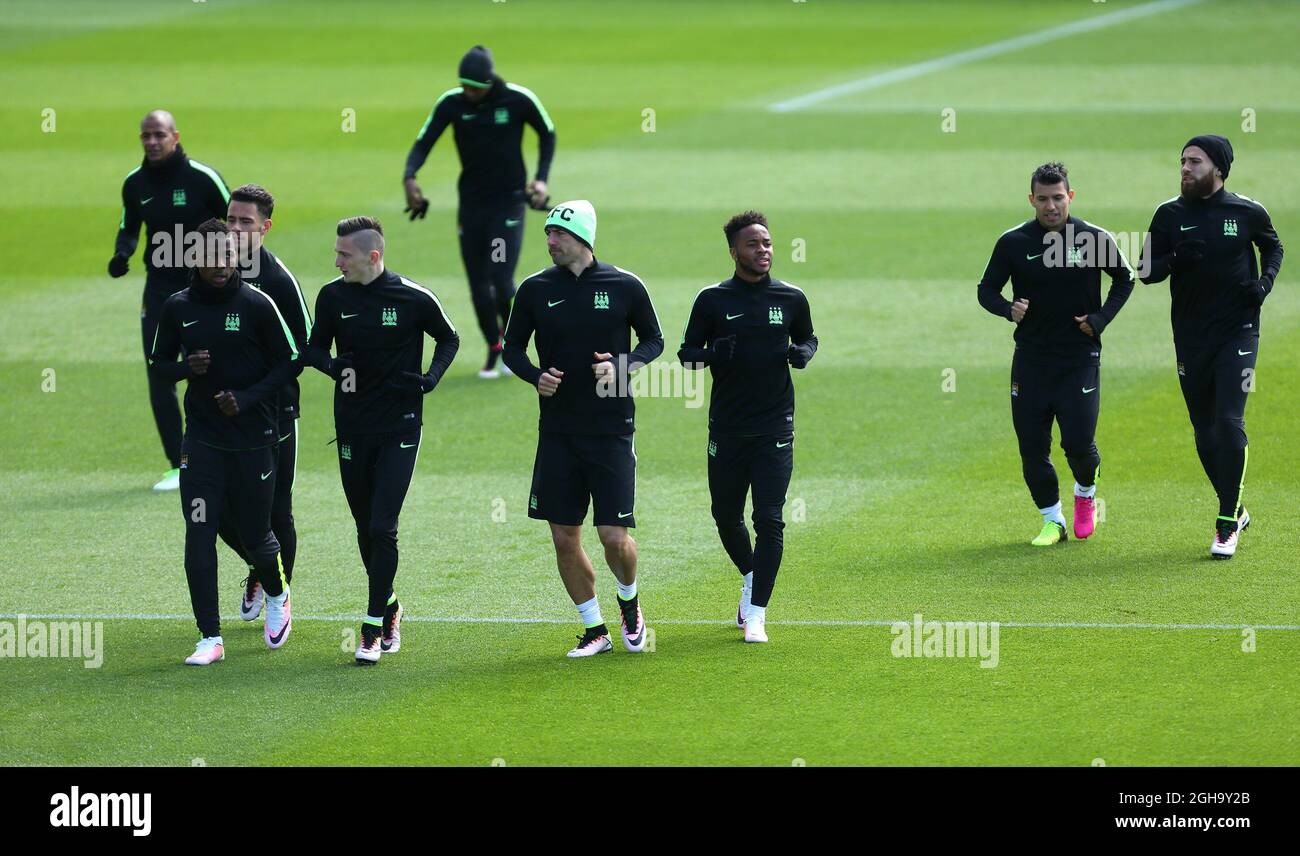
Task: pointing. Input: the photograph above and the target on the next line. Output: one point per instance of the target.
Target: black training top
(753, 393)
(1210, 305)
(178, 191)
(573, 319)
(252, 355)
(380, 326)
(488, 136)
(275, 281)
(1059, 273)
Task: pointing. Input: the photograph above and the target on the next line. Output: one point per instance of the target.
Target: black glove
(797, 356)
(411, 383)
(118, 266)
(1187, 255)
(418, 210)
(723, 349)
(1255, 291)
(337, 366)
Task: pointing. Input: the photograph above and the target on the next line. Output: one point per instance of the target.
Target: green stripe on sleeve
(216, 179)
(546, 117)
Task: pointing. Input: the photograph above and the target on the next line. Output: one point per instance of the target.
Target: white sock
(756, 613)
(590, 613)
(214, 639)
(1053, 513)
(627, 592)
(747, 583)
(1085, 492)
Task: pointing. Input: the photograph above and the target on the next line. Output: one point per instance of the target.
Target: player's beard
(753, 269)
(1199, 188)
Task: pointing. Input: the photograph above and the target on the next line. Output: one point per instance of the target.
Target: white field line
(943, 63)
(704, 622)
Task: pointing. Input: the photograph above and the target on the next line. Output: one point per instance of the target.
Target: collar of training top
(744, 283)
(591, 268)
(204, 293)
(384, 276)
(263, 261)
(176, 159)
(1040, 229)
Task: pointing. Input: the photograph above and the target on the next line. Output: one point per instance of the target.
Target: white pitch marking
(703, 622)
(943, 63)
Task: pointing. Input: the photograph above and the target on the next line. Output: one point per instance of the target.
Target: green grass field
(907, 496)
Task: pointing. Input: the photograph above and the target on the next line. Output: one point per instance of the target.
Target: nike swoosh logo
(549, 304)
(1031, 258)
(467, 116)
(146, 201)
(267, 475)
(275, 640)
(733, 317)
(1242, 353)
(286, 437)
(1086, 391)
(407, 445)
(782, 445)
(353, 315)
(1187, 228)
(513, 222)
(188, 323)
(623, 514)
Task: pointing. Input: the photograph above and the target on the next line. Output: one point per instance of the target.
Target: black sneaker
(391, 642)
(250, 601)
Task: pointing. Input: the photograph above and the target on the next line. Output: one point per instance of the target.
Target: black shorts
(570, 468)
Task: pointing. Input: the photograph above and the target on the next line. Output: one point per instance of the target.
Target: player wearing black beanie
(1205, 240)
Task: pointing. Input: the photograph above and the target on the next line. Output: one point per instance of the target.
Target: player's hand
(723, 348)
(1082, 321)
(412, 383)
(549, 382)
(1018, 309)
(227, 402)
(538, 197)
(118, 266)
(1255, 290)
(199, 362)
(603, 368)
(797, 356)
(416, 205)
(1187, 255)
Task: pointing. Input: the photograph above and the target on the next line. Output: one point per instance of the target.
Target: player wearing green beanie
(581, 313)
